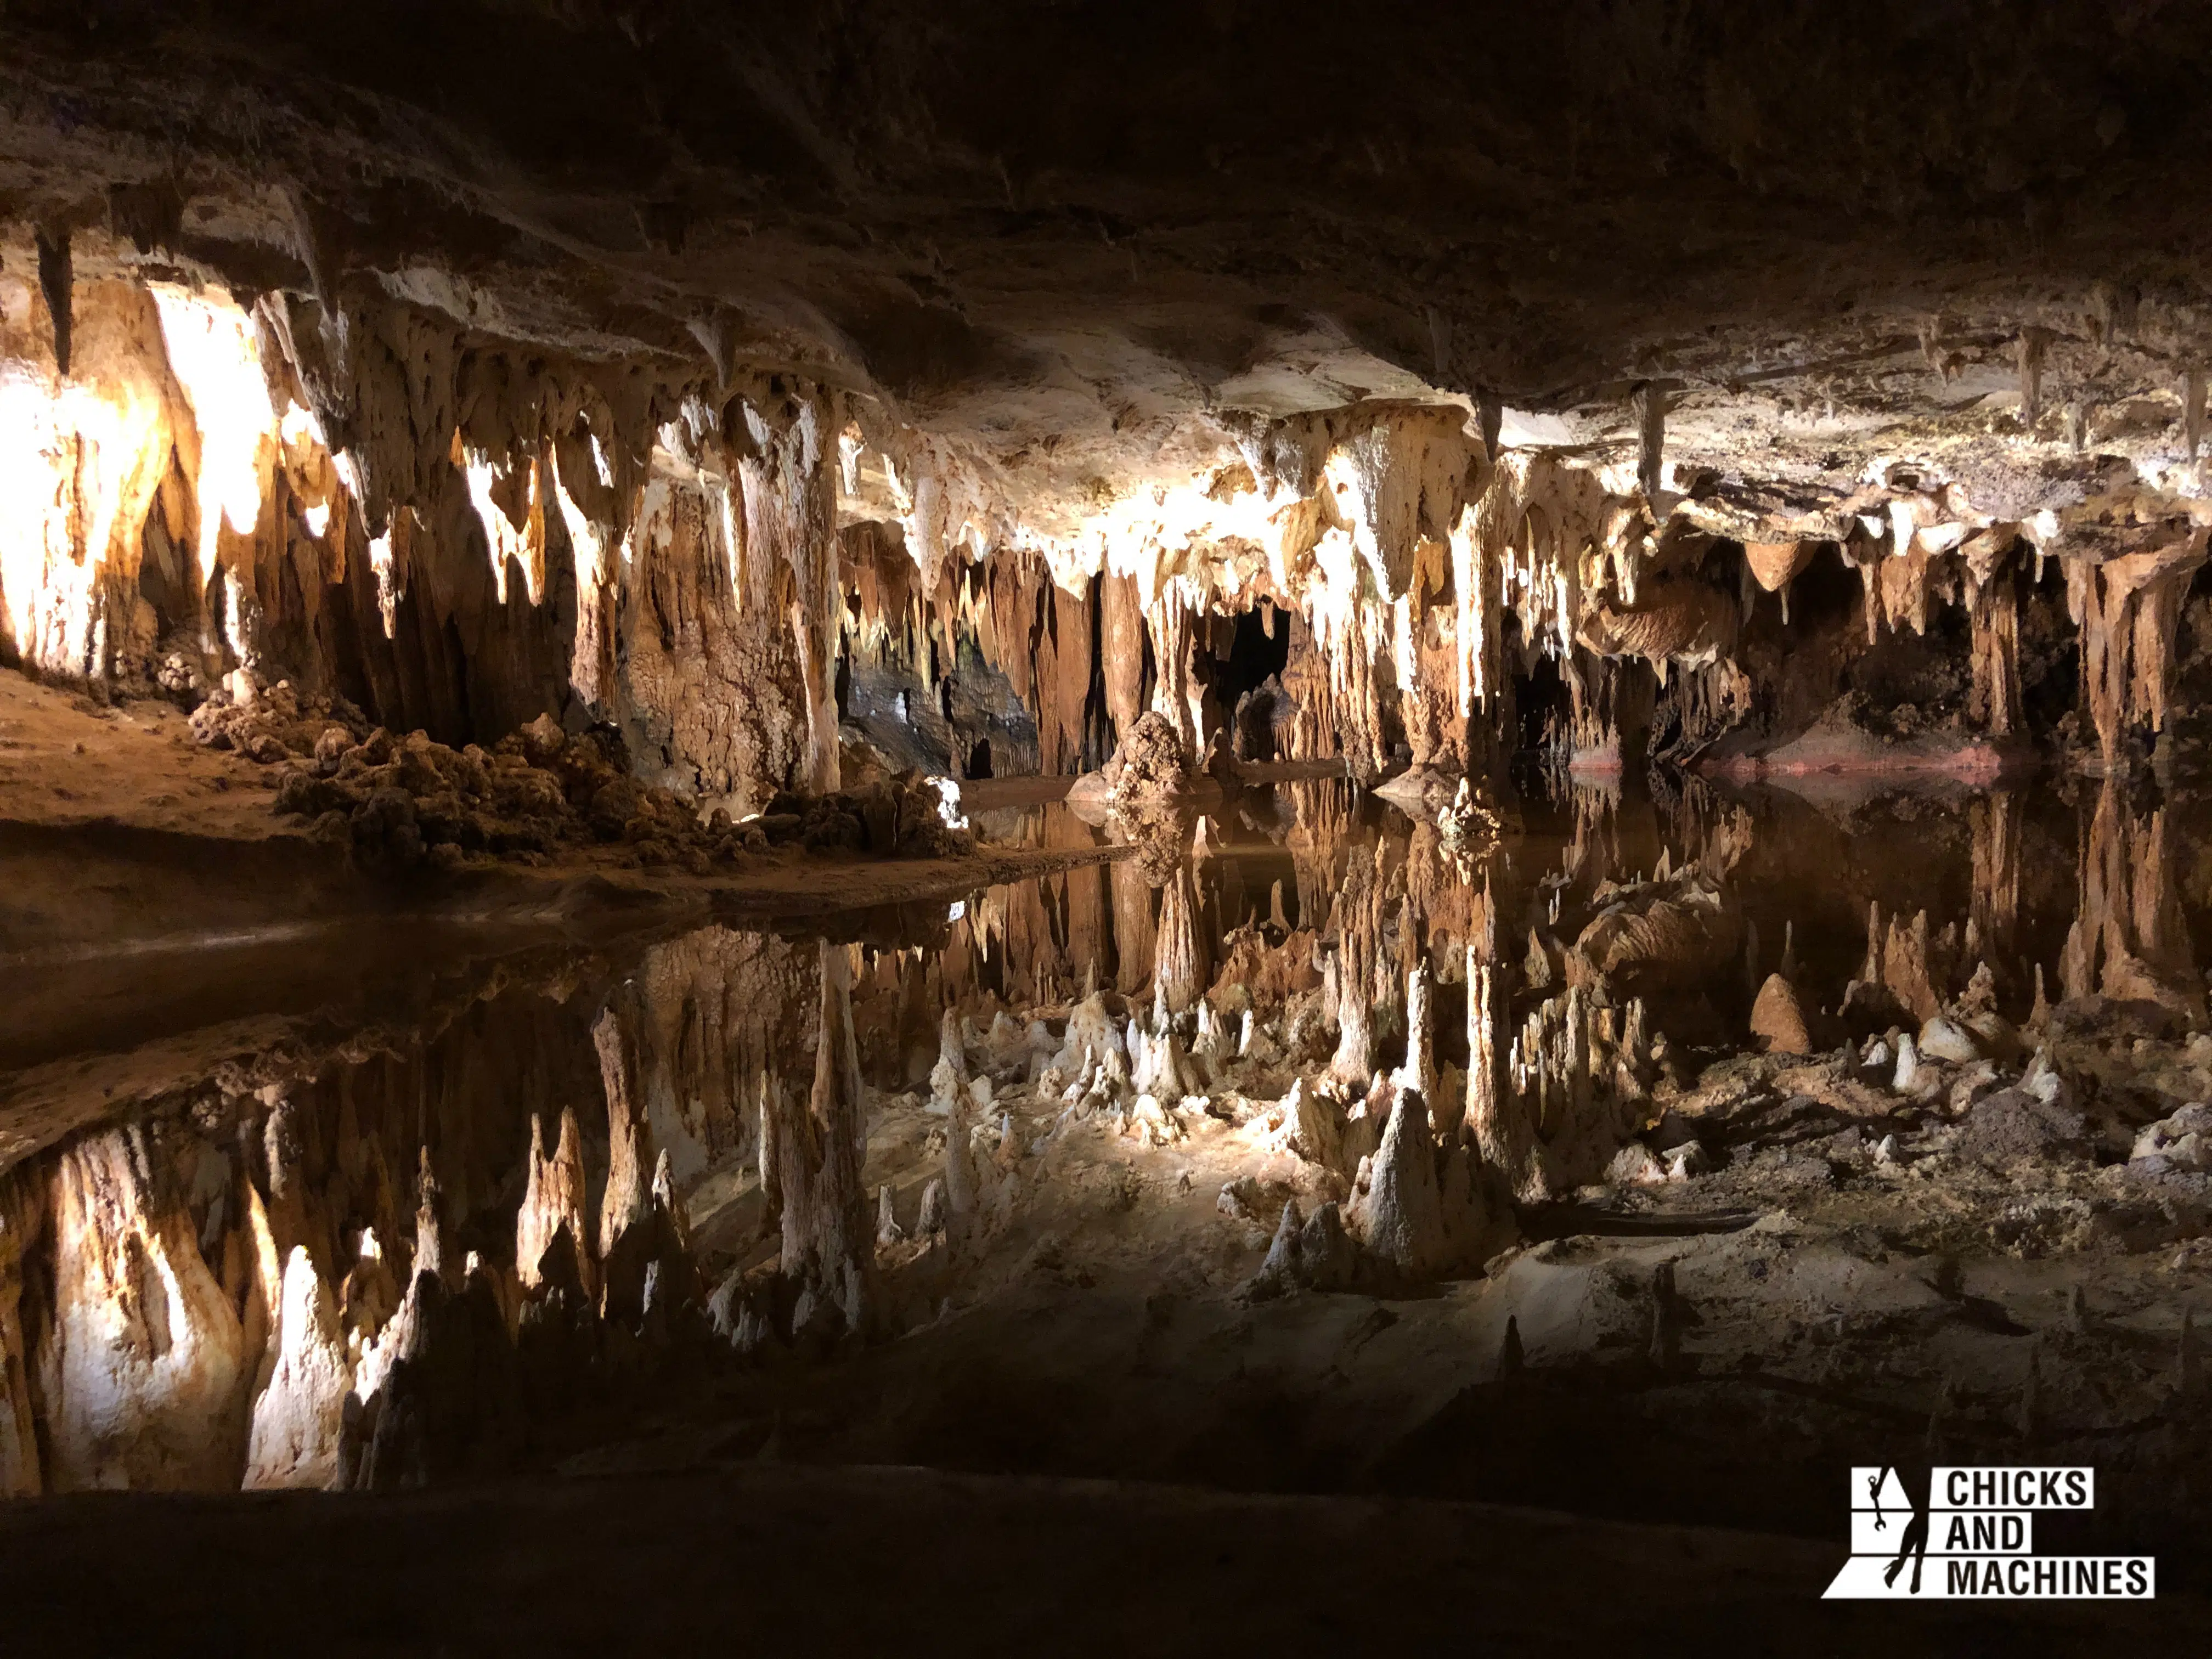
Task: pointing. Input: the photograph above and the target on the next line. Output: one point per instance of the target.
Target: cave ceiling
(1079, 244)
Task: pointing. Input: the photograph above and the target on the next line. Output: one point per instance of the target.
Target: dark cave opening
(1246, 685)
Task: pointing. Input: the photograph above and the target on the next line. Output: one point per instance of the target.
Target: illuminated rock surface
(1264, 750)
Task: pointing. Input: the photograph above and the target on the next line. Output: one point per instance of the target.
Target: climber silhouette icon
(1914, 1543)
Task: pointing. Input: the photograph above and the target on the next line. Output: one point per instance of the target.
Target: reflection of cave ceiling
(1061, 237)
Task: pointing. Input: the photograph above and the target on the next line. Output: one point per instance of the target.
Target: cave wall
(461, 533)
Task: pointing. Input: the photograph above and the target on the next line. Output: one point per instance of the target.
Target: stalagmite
(1577, 1069)
(935, 1210)
(888, 1230)
(1314, 1254)
(1907, 1079)
(1779, 1019)
(1401, 1215)
(2032, 349)
(1419, 1072)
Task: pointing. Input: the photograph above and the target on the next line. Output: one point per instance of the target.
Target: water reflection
(411, 1233)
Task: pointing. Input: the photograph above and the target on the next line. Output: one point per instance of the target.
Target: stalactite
(57, 284)
(2192, 410)
(1993, 608)
(1121, 650)
(1176, 698)
(791, 523)
(2128, 610)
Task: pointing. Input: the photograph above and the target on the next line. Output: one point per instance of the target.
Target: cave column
(791, 523)
(1176, 697)
(1122, 647)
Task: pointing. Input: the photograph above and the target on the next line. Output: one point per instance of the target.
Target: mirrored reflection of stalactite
(299, 1417)
(552, 1202)
(1996, 821)
(1353, 967)
(2130, 941)
(1916, 965)
(629, 1134)
(1182, 954)
(1321, 828)
(145, 1369)
(829, 1231)
(21, 1215)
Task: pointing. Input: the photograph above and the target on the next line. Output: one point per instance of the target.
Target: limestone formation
(552, 1199)
(1426, 1210)
(829, 1246)
(557, 563)
(145, 1370)
(298, 1419)
(1778, 1018)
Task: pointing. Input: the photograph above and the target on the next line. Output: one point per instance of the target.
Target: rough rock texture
(1151, 766)
(829, 1245)
(1424, 1209)
(1010, 369)
(298, 1428)
(1779, 1020)
(146, 1369)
